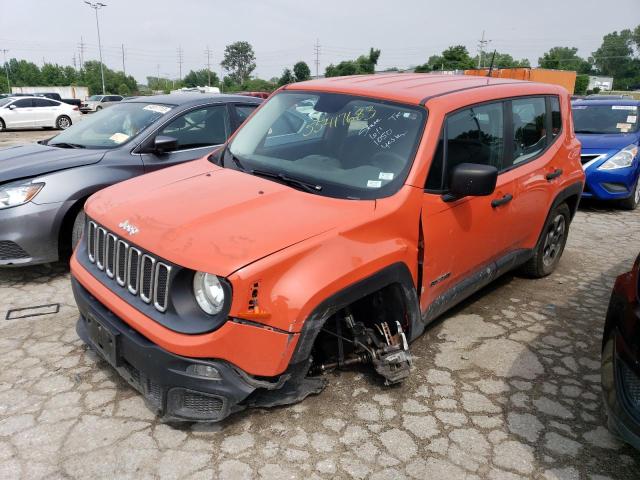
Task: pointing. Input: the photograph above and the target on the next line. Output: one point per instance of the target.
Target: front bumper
(159, 375)
(610, 184)
(621, 367)
(29, 233)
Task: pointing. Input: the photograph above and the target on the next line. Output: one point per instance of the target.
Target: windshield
(4, 101)
(95, 98)
(343, 146)
(112, 126)
(605, 118)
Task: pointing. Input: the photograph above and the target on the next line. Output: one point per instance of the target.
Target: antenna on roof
(493, 57)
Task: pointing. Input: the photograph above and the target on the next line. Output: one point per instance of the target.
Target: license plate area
(103, 339)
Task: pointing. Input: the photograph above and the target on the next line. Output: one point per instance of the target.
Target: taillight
(76, 108)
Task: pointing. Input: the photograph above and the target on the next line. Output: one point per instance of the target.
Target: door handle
(501, 201)
(555, 174)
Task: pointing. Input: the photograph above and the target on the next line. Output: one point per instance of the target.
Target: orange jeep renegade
(342, 218)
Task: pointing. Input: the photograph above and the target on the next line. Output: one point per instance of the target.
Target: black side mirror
(472, 180)
(163, 144)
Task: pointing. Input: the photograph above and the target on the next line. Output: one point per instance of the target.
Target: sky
(283, 32)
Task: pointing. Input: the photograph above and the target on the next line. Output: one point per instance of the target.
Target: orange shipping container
(564, 78)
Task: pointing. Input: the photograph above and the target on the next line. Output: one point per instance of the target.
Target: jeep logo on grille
(130, 228)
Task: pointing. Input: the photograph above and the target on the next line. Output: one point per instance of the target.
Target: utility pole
(208, 54)
(482, 43)
(6, 68)
(180, 63)
(316, 49)
(97, 6)
(124, 70)
(158, 76)
(81, 48)
(75, 65)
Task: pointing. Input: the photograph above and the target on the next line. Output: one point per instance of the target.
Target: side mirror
(472, 180)
(12, 107)
(163, 144)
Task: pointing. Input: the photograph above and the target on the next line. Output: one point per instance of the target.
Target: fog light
(204, 371)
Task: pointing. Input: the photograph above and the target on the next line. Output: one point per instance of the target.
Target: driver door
(197, 132)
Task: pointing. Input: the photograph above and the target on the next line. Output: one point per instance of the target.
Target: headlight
(209, 292)
(622, 159)
(18, 193)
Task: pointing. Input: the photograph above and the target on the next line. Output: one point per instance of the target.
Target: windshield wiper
(304, 185)
(66, 145)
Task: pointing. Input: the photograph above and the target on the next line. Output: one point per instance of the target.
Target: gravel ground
(506, 386)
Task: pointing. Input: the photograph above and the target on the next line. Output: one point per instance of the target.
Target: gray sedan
(43, 186)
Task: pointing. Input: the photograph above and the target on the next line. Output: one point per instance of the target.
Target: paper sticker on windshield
(632, 118)
(624, 107)
(374, 184)
(161, 109)
(385, 176)
(119, 137)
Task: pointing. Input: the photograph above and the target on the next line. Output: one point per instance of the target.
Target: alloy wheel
(64, 123)
(554, 240)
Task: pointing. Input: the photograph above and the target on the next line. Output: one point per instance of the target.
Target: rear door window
(529, 128)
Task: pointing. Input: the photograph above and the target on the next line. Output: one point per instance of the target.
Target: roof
(414, 88)
(603, 102)
(192, 98)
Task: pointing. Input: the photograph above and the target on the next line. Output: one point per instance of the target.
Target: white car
(34, 112)
(95, 103)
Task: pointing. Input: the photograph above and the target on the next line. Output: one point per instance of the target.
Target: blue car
(609, 133)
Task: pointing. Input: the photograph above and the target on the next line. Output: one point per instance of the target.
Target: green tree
(301, 72)
(501, 60)
(616, 58)
(582, 82)
(239, 61)
(286, 77)
(453, 58)
(201, 78)
(564, 58)
(362, 65)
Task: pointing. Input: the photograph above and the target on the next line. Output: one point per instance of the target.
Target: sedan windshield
(112, 126)
(605, 118)
(329, 144)
(4, 101)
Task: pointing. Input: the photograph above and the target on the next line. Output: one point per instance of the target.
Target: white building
(603, 83)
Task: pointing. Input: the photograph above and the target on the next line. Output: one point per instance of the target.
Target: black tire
(63, 122)
(550, 244)
(98, 109)
(2, 125)
(633, 201)
(78, 229)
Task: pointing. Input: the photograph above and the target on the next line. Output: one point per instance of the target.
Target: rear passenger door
(197, 131)
(536, 124)
(462, 237)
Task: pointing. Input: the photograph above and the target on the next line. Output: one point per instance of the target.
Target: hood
(217, 220)
(31, 160)
(600, 143)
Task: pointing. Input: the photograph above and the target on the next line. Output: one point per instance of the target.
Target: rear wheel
(633, 201)
(550, 245)
(63, 122)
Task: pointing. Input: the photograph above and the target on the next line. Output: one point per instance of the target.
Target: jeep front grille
(140, 273)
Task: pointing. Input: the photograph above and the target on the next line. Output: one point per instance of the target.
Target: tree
(239, 61)
(453, 58)
(362, 65)
(564, 58)
(200, 78)
(501, 60)
(286, 78)
(616, 58)
(301, 72)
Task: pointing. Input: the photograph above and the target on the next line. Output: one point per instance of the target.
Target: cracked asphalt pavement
(505, 386)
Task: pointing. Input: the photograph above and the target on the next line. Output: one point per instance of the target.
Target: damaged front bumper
(178, 388)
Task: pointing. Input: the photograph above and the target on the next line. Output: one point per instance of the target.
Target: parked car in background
(609, 133)
(43, 186)
(95, 103)
(314, 241)
(621, 358)
(56, 96)
(36, 112)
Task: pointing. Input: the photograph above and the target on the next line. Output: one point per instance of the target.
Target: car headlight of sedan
(18, 193)
(622, 159)
(209, 292)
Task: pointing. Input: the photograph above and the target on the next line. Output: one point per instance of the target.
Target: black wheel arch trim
(396, 273)
(573, 190)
